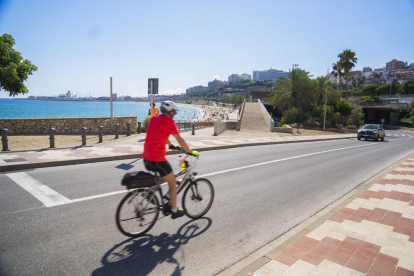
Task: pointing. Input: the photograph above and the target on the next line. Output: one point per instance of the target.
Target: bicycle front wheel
(137, 213)
(198, 198)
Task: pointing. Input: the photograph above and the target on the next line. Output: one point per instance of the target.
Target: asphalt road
(261, 192)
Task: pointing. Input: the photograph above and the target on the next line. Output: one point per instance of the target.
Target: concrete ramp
(253, 119)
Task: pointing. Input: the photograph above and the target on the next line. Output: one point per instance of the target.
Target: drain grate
(14, 160)
(17, 171)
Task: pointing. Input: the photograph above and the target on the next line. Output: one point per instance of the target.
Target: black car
(371, 131)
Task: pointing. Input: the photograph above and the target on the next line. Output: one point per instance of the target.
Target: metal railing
(241, 115)
(187, 125)
(267, 117)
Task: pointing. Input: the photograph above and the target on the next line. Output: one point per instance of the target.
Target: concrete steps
(253, 119)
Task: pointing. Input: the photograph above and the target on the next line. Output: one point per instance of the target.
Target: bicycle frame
(188, 178)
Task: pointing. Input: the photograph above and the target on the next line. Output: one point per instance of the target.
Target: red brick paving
(383, 265)
(360, 263)
(359, 215)
(376, 215)
(285, 259)
(403, 272)
(391, 218)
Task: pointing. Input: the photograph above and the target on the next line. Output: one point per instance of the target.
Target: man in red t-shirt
(160, 128)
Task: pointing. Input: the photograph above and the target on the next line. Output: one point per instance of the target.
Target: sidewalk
(370, 233)
(132, 147)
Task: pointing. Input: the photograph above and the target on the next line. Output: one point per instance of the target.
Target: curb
(14, 167)
(269, 251)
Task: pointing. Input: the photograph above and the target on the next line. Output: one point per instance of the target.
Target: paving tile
(376, 215)
(351, 244)
(383, 265)
(359, 214)
(312, 259)
(391, 218)
(325, 247)
(326, 268)
(342, 214)
(376, 187)
(300, 248)
(399, 206)
(386, 204)
(408, 212)
(360, 263)
(380, 194)
(371, 203)
(367, 194)
(407, 259)
(393, 195)
(406, 197)
(299, 268)
(272, 268)
(346, 271)
(403, 272)
(323, 230)
(369, 250)
(285, 259)
(340, 256)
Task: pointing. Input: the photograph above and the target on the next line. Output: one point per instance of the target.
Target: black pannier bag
(139, 179)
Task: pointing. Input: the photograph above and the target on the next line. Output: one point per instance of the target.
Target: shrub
(328, 124)
(284, 125)
(351, 127)
(370, 99)
(145, 124)
(292, 115)
(357, 117)
(340, 126)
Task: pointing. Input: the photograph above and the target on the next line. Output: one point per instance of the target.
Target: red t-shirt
(159, 129)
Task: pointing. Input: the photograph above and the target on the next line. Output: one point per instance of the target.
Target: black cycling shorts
(163, 168)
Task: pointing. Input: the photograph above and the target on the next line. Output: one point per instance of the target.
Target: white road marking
(40, 191)
(98, 196)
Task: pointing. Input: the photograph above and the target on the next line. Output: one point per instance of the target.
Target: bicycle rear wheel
(137, 213)
(198, 198)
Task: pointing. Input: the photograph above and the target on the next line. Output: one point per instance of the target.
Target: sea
(22, 108)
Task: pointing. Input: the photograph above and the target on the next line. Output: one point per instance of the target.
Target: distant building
(235, 78)
(68, 95)
(355, 74)
(104, 98)
(114, 96)
(63, 96)
(379, 70)
(197, 89)
(269, 75)
(394, 65)
(245, 76)
(216, 84)
(367, 69)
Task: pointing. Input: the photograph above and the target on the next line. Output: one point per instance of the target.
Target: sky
(78, 45)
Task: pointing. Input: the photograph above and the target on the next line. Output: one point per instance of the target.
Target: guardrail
(186, 125)
(267, 117)
(390, 105)
(241, 115)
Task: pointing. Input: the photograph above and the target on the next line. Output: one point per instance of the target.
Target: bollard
(193, 131)
(84, 136)
(139, 127)
(52, 138)
(100, 134)
(116, 131)
(128, 128)
(4, 139)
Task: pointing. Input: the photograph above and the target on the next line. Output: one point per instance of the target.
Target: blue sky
(79, 45)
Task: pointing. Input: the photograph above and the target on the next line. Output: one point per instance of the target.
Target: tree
(398, 76)
(293, 92)
(369, 90)
(320, 90)
(408, 87)
(357, 117)
(376, 75)
(337, 71)
(348, 60)
(344, 108)
(13, 69)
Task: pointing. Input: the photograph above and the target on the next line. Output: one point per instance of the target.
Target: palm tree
(376, 75)
(320, 90)
(348, 60)
(398, 76)
(293, 92)
(337, 71)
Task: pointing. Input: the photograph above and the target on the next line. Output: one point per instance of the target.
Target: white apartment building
(235, 78)
(245, 76)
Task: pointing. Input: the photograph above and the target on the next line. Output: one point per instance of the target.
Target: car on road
(371, 131)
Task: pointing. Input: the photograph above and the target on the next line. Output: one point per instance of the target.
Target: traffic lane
(79, 181)
(246, 203)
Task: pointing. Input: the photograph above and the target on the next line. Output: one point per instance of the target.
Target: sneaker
(180, 212)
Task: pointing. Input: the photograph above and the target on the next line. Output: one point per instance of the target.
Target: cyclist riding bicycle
(160, 128)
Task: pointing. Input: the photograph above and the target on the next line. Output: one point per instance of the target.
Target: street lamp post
(326, 99)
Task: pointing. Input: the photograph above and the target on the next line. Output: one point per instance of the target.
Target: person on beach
(154, 110)
(160, 128)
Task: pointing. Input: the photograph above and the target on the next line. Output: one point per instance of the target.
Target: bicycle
(140, 208)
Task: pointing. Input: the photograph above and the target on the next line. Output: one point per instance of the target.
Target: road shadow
(127, 166)
(373, 141)
(141, 255)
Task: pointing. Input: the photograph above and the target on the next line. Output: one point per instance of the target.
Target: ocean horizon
(38, 109)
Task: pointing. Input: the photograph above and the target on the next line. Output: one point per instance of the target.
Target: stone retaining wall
(66, 125)
(283, 129)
